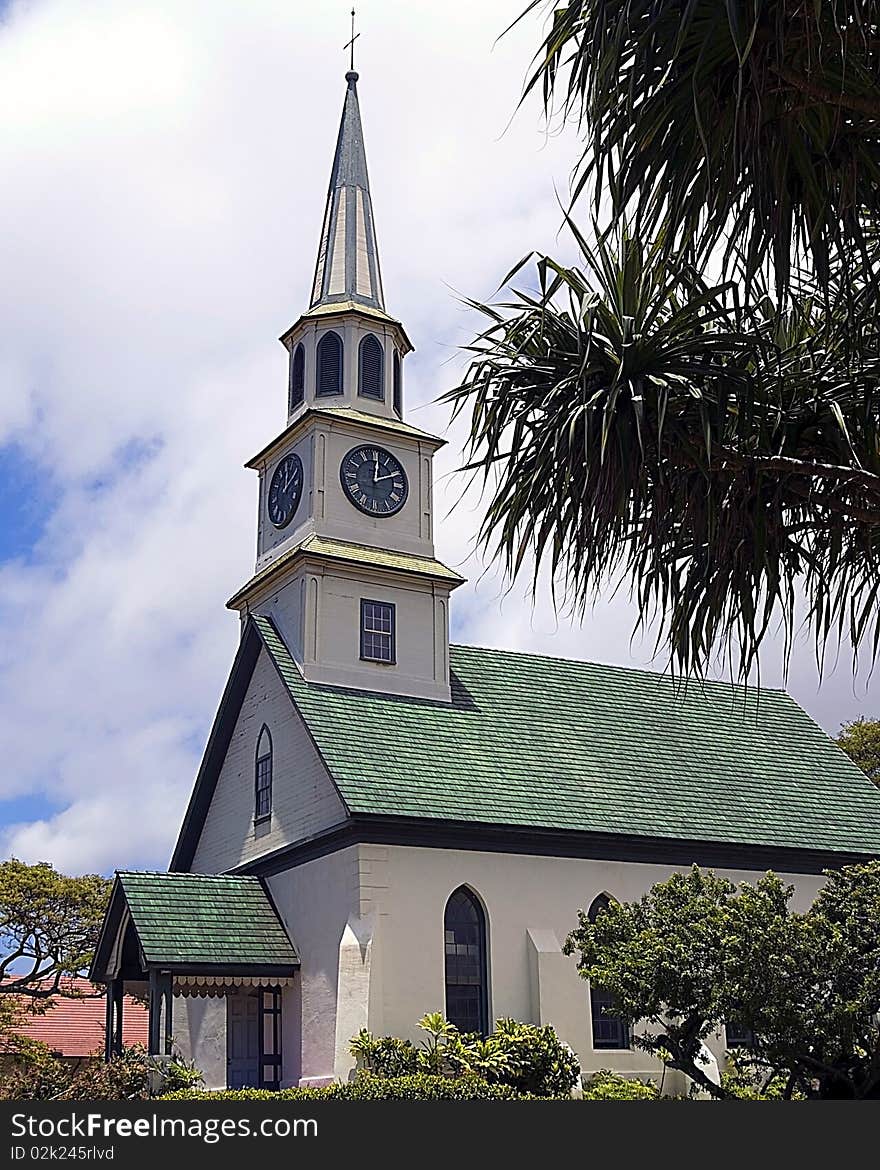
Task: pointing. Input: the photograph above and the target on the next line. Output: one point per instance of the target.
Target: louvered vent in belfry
(397, 386)
(297, 377)
(372, 374)
(329, 365)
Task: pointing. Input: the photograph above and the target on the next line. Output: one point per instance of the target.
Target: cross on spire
(350, 44)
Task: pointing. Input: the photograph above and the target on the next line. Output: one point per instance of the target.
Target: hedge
(420, 1087)
(603, 1086)
(609, 1086)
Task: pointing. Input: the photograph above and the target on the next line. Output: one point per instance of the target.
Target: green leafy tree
(49, 925)
(860, 739)
(693, 410)
(696, 952)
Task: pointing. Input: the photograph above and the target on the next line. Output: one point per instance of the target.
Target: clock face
(285, 490)
(374, 481)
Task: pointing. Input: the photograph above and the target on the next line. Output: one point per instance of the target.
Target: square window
(377, 631)
(739, 1037)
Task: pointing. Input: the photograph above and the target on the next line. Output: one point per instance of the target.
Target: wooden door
(242, 1041)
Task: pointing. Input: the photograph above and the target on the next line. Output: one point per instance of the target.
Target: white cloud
(168, 164)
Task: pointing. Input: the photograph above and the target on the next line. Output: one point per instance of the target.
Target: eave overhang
(340, 309)
(342, 552)
(345, 416)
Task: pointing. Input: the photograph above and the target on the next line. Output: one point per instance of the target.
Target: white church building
(385, 825)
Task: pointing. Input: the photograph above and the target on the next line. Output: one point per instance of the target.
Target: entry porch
(211, 957)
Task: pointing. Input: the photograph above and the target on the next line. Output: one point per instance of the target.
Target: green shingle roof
(532, 741)
(202, 920)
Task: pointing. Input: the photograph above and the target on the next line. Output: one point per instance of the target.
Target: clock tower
(345, 553)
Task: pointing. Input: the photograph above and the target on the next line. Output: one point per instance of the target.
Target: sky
(165, 166)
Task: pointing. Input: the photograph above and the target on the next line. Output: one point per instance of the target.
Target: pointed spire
(348, 259)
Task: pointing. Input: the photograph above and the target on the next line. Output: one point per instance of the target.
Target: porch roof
(196, 922)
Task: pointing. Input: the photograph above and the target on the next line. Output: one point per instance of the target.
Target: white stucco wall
(367, 923)
(530, 903)
(321, 905)
(199, 1031)
(304, 800)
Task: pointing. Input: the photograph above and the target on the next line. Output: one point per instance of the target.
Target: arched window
(397, 385)
(329, 365)
(297, 377)
(371, 376)
(467, 990)
(263, 776)
(609, 1031)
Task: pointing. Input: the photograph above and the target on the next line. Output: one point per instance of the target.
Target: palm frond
(752, 124)
(633, 422)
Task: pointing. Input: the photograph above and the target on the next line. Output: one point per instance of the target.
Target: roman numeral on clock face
(285, 490)
(374, 480)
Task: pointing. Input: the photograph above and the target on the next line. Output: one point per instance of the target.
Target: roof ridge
(644, 670)
(176, 873)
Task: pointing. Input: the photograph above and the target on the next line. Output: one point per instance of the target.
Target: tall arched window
(467, 990)
(609, 1031)
(297, 377)
(263, 776)
(371, 376)
(329, 365)
(397, 385)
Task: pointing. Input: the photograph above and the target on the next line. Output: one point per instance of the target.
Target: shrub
(745, 1085)
(132, 1076)
(33, 1073)
(366, 1087)
(538, 1061)
(127, 1077)
(422, 1087)
(386, 1056)
(608, 1086)
(527, 1058)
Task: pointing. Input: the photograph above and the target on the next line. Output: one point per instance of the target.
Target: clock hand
(393, 475)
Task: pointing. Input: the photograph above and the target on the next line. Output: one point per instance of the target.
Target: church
(383, 824)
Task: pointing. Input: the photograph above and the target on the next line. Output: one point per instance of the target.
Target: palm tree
(712, 442)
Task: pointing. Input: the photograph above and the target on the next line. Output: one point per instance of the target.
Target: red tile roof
(75, 1027)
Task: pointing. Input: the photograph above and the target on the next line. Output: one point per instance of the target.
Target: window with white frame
(377, 631)
(263, 776)
(467, 984)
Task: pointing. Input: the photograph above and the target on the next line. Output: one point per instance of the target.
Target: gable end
(219, 747)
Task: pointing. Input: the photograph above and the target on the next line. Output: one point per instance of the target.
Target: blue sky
(169, 164)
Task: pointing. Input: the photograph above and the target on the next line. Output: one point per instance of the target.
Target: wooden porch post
(155, 1011)
(118, 1014)
(108, 1018)
(168, 996)
(160, 997)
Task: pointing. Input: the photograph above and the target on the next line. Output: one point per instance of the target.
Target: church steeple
(348, 258)
(345, 548)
